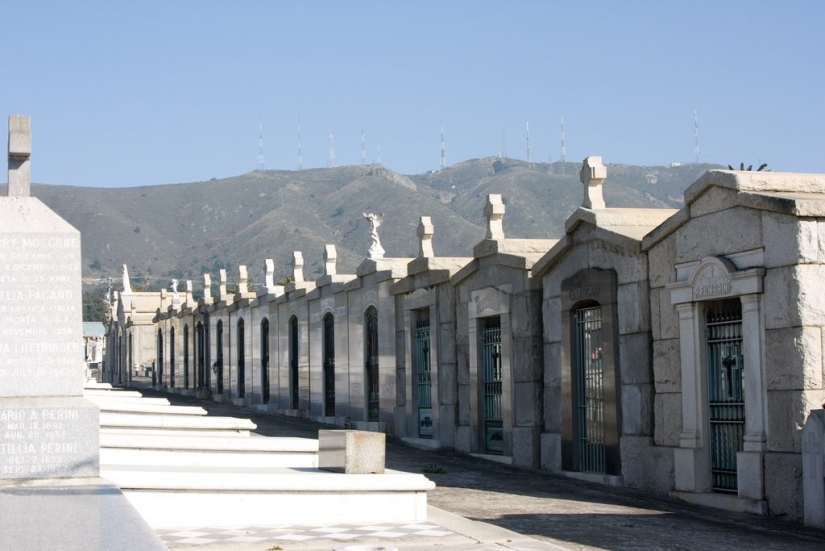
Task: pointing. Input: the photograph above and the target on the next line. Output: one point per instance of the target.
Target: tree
(762, 168)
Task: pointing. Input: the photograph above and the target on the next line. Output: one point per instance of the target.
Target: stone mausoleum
(675, 351)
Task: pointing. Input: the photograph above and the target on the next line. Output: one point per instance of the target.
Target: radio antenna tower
(300, 158)
(260, 144)
(527, 139)
(443, 150)
(331, 157)
(696, 134)
(503, 142)
(363, 147)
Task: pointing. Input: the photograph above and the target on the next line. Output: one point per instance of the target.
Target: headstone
(425, 236)
(51, 496)
(592, 175)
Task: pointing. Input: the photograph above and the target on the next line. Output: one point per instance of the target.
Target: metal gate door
(726, 400)
(491, 370)
(423, 376)
(373, 403)
(329, 365)
(589, 390)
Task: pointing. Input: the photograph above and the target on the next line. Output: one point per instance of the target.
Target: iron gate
(423, 375)
(491, 367)
(329, 365)
(589, 390)
(726, 401)
(372, 365)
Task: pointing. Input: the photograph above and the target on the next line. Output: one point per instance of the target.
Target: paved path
(530, 510)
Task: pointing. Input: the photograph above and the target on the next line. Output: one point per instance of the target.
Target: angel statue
(376, 250)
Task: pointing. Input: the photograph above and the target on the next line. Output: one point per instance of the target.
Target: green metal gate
(589, 372)
(329, 365)
(373, 403)
(423, 375)
(726, 400)
(492, 386)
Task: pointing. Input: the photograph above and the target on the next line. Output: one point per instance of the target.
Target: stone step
(103, 399)
(207, 443)
(141, 431)
(92, 392)
(174, 422)
(197, 496)
(143, 409)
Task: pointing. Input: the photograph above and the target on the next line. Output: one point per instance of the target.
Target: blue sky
(151, 92)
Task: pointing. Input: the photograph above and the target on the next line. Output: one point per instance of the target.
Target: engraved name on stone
(588, 291)
(711, 283)
(327, 304)
(37, 441)
(487, 303)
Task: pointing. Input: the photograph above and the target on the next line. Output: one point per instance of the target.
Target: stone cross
(592, 174)
(242, 279)
(330, 257)
(297, 266)
(494, 211)
(425, 235)
(188, 290)
(20, 150)
(222, 283)
(127, 285)
(207, 287)
(376, 250)
(269, 274)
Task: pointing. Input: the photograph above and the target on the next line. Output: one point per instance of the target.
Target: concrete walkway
(483, 505)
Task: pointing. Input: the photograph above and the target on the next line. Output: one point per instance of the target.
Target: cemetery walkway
(527, 510)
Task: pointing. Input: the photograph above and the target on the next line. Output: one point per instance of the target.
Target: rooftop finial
(20, 150)
(592, 174)
(425, 235)
(494, 210)
(330, 258)
(376, 250)
(269, 274)
(297, 266)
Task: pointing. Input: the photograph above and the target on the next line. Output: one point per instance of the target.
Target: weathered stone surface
(783, 485)
(712, 200)
(794, 358)
(577, 258)
(637, 409)
(527, 404)
(668, 417)
(525, 315)
(463, 439)
(463, 365)
(463, 404)
(629, 266)
(447, 384)
(634, 359)
(527, 359)
(446, 343)
(660, 261)
(788, 240)
(351, 451)
(807, 286)
(664, 317)
(552, 364)
(551, 451)
(552, 408)
(445, 302)
(646, 467)
(551, 314)
(777, 297)
(526, 446)
(446, 425)
(787, 411)
(741, 228)
(667, 367)
(634, 308)
(820, 230)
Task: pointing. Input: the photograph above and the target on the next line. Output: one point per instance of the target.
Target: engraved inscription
(711, 283)
(487, 303)
(37, 441)
(327, 304)
(588, 291)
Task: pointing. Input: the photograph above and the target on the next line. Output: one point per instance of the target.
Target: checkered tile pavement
(253, 534)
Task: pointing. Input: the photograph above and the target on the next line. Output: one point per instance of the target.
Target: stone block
(661, 261)
(629, 266)
(577, 258)
(820, 230)
(665, 318)
(551, 314)
(446, 343)
(462, 365)
(634, 359)
(777, 297)
(668, 418)
(527, 406)
(527, 359)
(637, 409)
(667, 366)
(526, 446)
(464, 439)
(712, 200)
(551, 451)
(646, 466)
(462, 322)
(463, 404)
(446, 425)
(750, 475)
(789, 240)
(552, 364)
(552, 408)
(783, 485)
(794, 358)
(633, 308)
(809, 308)
(351, 451)
(525, 315)
(787, 411)
(445, 302)
(719, 233)
(447, 384)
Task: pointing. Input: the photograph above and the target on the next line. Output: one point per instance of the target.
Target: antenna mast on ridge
(331, 156)
(260, 143)
(300, 158)
(696, 134)
(443, 150)
(363, 147)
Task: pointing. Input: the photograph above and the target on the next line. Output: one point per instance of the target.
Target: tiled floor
(253, 534)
